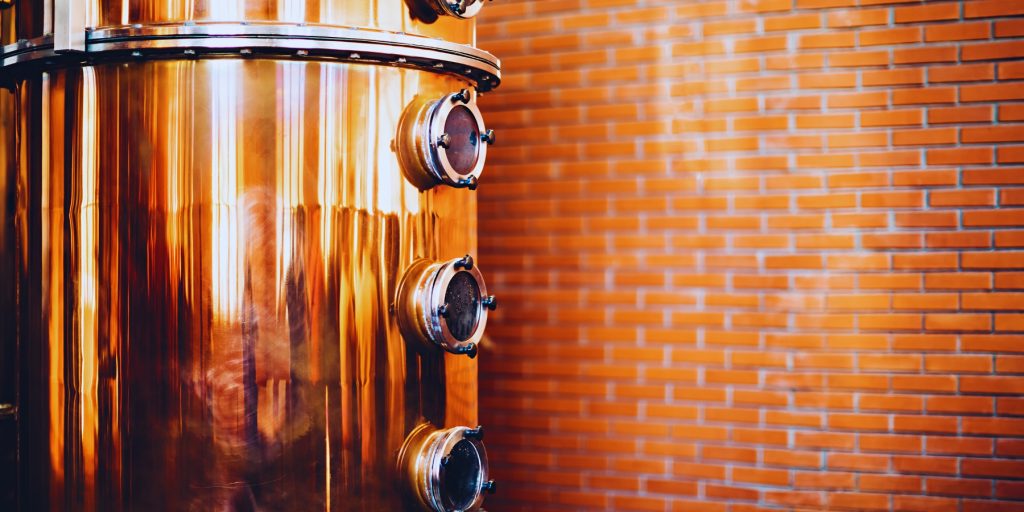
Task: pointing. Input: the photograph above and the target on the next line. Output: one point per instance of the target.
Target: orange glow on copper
(226, 154)
(87, 314)
(55, 276)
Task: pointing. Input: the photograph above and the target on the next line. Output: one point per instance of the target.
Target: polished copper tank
(216, 229)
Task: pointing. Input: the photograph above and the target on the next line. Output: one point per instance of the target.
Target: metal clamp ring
(444, 141)
(445, 304)
(447, 470)
(275, 40)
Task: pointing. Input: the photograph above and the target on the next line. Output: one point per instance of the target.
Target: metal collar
(314, 42)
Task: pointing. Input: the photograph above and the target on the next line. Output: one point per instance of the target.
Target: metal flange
(314, 42)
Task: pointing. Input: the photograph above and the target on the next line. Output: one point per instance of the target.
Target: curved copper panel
(33, 18)
(205, 254)
(8, 338)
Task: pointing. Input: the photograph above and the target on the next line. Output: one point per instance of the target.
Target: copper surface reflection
(205, 254)
(28, 19)
(8, 340)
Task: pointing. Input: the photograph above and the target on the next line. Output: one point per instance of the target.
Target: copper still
(235, 256)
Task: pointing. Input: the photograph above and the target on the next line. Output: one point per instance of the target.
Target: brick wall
(756, 254)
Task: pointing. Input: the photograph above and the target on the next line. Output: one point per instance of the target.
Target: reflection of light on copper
(226, 151)
(171, 138)
(327, 168)
(410, 85)
(292, 10)
(87, 313)
(181, 196)
(387, 112)
(233, 10)
(327, 10)
(92, 12)
(291, 80)
(52, 217)
(364, 181)
(387, 16)
(327, 447)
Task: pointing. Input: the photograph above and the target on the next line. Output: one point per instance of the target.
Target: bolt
(466, 262)
(474, 433)
(444, 140)
(445, 460)
(459, 6)
(491, 302)
(488, 137)
(469, 349)
(462, 96)
(443, 310)
(470, 183)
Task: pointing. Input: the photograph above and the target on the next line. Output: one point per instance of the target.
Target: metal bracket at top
(68, 26)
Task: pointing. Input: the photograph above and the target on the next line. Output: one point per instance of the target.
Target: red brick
(960, 115)
(959, 405)
(1000, 468)
(959, 156)
(890, 483)
(956, 31)
(925, 55)
(991, 8)
(901, 117)
(933, 136)
(823, 480)
(959, 445)
(957, 322)
(922, 96)
(910, 76)
(1009, 28)
(954, 486)
(994, 92)
(991, 51)
(925, 465)
(890, 36)
(934, 12)
(792, 22)
(968, 197)
(858, 501)
(830, 40)
(961, 73)
(941, 363)
(858, 18)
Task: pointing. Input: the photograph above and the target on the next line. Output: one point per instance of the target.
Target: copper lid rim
(312, 42)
